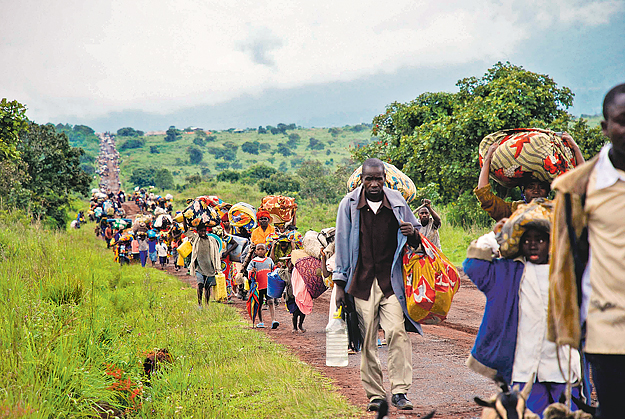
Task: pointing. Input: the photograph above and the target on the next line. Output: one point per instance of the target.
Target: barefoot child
(258, 268)
(512, 339)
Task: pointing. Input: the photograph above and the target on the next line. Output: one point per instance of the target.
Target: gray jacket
(347, 241)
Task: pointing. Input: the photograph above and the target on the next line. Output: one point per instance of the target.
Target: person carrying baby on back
(258, 269)
(512, 339)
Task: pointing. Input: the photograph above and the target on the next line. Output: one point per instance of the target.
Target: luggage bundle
(315, 241)
(201, 210)
(281, 208)
(243, 215)
(527, 153)
(395, 179)
(536, 214)
(163, 222)
(430, 282)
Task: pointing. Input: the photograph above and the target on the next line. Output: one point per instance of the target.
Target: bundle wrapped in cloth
(527, 153)
(537, 214)
(200, 211)
(395, 179)
(281, 207)
(430, 282)
(243, 215)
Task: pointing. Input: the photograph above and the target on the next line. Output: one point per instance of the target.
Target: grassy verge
(75, 328)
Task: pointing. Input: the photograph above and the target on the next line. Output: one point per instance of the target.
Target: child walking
(258, 269)
(291, 305)
(512, 339)
(161, 250)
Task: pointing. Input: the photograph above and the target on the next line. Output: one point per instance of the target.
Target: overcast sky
(239, 63)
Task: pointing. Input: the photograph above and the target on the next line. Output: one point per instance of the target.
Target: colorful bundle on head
(525, 153)
(211, 200)
(242, 215)
(199, 211)
(280, 206)
(296, 237)
(395, 179)
(222, 209)
(536, 214)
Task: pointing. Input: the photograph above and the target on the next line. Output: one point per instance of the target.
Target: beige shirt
(605, 206)
(430, 231)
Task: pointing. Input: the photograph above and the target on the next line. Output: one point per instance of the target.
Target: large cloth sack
(282, 207)
(430, 281)
(525, 153)
(275, 285)
(536, 214)
(395, 179)
(243, 215)
(310, 270)
(312, 245)
(221, 292)
(200, 211)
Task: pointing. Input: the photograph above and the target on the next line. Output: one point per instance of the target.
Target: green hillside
(593, 120)
(207, 154)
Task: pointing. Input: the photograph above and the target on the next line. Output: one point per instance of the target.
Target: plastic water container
(336, 341)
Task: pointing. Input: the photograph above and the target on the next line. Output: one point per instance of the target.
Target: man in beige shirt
(588, 286)
(430, 222)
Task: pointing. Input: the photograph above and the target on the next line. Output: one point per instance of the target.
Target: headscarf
(536, 214)
(263, 213)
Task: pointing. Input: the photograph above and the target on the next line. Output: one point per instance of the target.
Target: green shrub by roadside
(75, 328)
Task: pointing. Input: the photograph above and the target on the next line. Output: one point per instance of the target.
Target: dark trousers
(608, 374)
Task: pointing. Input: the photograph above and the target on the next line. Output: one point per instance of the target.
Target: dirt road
(441, 381)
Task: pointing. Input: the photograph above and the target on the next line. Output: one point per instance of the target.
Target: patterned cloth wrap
(310, 270)
(395, 179)
(536, 214)
(281, 206)
(200, 211)
(430, 281)
(242, 215)
(296, 237)
(527, 152)
(223, 208)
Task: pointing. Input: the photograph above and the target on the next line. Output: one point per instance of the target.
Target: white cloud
(71, 57)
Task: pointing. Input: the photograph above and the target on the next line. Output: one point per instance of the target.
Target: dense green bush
(466, 212)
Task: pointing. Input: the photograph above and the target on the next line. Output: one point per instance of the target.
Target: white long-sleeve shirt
(534, 353)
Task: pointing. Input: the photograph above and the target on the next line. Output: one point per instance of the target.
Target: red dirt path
(441, 381)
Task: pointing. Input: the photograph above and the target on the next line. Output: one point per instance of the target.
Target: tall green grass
(75, 328)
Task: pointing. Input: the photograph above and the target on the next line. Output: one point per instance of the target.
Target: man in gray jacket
(372, 226)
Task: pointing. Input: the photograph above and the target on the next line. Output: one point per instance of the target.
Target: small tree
(229, 176)
(279, 183)
(250, 147)
(315, 144)
(154, 150)
(262, 130)
(163, 179)
(172, 134)
(195, 155)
